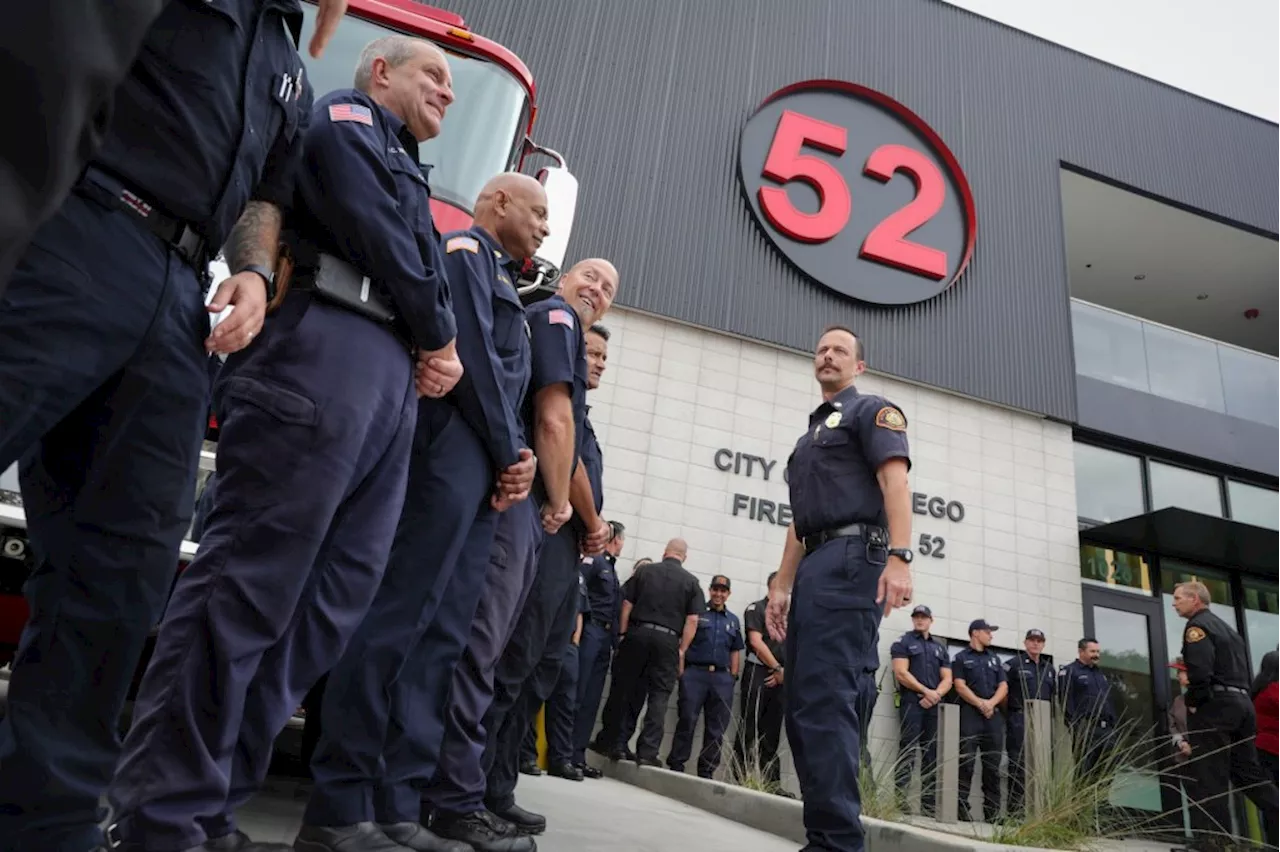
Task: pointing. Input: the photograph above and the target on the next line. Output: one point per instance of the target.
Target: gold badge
(833, 419)
(1194, 634)
(891, 418)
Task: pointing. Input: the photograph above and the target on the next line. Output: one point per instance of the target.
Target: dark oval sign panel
(857, 192)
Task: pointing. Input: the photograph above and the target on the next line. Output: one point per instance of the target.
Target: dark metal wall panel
(647, 99)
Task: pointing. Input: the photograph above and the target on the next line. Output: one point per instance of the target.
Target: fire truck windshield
(482, 130)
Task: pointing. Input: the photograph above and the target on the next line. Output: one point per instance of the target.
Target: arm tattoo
(256, 237)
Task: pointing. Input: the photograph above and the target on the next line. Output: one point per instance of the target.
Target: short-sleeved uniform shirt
(1029, 680)
(832, 470)
(753, 619)
(559, 357)
(601, 578)
(664, 593)
(719, 634)
(1087, 694)
(981, 671)
(926, 658)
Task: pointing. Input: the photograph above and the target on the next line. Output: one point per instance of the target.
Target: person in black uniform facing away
(707, 675)
(922, 669)
(1087, 706)
(1031, 677)
(848, 558)
(660, 609)
(1221, 722)
(981, 683)
(762, 704)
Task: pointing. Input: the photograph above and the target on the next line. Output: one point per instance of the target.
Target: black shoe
(674, 767)
(526, 822)
(589, 771)
(237, 841)
(361, 837)
(650, 761)
(420, 839)
(530, 767)
(567, 771)
(484, 831)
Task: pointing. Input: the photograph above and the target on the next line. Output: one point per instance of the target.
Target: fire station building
(1064, 273)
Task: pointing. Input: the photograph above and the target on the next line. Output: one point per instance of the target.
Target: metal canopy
(1184, 534)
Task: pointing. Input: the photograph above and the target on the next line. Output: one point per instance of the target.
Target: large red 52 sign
(858, 192)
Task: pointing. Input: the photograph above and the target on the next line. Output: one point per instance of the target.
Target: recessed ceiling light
(1202, 297)
(1139, 277)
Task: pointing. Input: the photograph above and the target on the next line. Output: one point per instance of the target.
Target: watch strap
(268, 277)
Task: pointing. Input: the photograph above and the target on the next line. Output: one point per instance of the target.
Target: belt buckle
(189, 245)
(112, 836)
(711, 668)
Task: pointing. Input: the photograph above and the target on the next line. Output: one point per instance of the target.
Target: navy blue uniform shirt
(493, 340)
(982, 671)
(601, 578)
(212, 112)
(559, 357)
(719, 634)
(926, 657)
(832, 470)
(1086, 694)
(593, 461)
(1029, 681)
(584, 602)
(364, 199)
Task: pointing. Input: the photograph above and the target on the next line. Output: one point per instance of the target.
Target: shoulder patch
(470, 244)
(1194, 634)
(560, 317)
(891, 418)
(351, 112)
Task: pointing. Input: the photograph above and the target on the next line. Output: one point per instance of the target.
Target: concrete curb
(781, 816)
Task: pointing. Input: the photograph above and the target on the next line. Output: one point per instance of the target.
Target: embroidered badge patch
(891, 418)
(560, 317)
(1194, 634)
(470, 244)
(351, 112)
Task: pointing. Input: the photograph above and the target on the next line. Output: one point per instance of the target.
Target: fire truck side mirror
(562, 205)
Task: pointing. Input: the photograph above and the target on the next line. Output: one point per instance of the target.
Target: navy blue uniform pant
(985, 736)
(761, 709)
(530, 664)
(595, 652)
(66, 105)
(562, 708)
(1014, 742)
(459, 783)
(316, 422)
(710, 695)
(103, 386)
(385, 698)
(834, 620)
(867, 696)
(918, 732)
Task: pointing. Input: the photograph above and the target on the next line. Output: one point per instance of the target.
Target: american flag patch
(351, 112)
(560, 317)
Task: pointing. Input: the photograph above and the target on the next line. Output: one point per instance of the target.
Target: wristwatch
(903, 553)
(267, 276)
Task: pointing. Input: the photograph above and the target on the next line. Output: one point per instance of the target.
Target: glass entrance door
(1130, 635)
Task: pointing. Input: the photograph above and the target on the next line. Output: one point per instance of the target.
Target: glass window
(1108, 484)
(478, 136)
(1109, 346)
(1261, 627)
(9, 479)
(1251, 384)
(1125, 572)
(1186, 489)
(1221, 602)
(1183, 367)
(1253, 505)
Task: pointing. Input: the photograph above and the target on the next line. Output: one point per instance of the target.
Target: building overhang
(1183, 534)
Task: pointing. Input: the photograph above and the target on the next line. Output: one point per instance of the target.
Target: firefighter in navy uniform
(711, 667)
(104, 344)
(923, 672)
(981, 683)
(599, 635)
(1087, 705)
(386, 699)
(761, 707)
(316, 422)
(1221, 722)
(848, 557)
(1030, 678)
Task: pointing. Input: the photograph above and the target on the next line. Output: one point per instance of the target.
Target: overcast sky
(1224, 50)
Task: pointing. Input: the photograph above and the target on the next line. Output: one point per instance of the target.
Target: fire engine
(487, 130)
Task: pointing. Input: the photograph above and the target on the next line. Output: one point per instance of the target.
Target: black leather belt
(813, 542)
(1220, 688)
(177, 234)
(706, 667)
(649, 625)
(600, 622)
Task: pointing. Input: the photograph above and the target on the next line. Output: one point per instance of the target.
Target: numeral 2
(887, 243)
